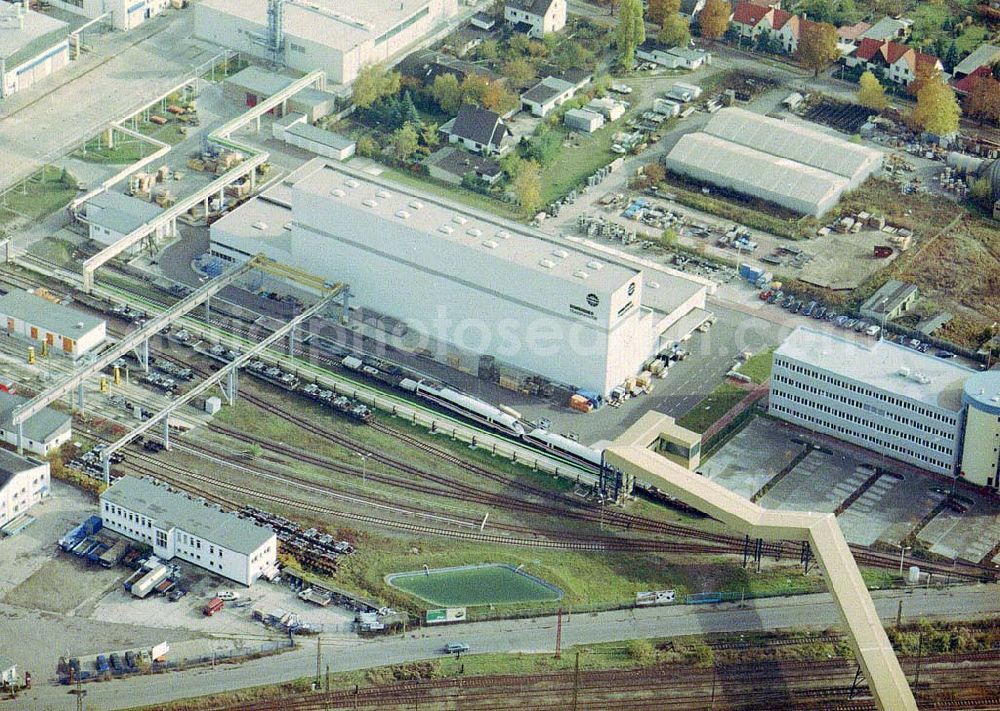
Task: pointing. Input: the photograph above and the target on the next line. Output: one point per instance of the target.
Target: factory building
(779, 161)
(175, 525)
(465, 282)
(23, 483)
(124, 14)
(110, 216)
(336, 36)
(981, 454)
(59, 327)
(32, 46)
(43, 433)
(882, 396)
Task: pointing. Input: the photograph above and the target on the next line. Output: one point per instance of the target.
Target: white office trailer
(882, 396)
(123, 14)
(32, 46)
(467, 282)
(336, 36)
(23, 483)
(175, 525)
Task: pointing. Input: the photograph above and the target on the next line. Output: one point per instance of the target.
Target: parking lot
(826, 474)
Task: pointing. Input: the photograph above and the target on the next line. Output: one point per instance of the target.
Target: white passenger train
(565, 446)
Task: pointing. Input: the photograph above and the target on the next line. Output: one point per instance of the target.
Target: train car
(273, 375)
(465, 405)
(565, 446)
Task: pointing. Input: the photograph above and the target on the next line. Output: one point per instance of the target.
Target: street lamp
(902, 553)
(364, 466)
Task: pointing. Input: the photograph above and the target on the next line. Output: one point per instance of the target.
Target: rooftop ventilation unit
(337, 192)
(260, 225)
(653, 284)
(503, 234)
(402, 214)
(416, 205)
(384, 194)
(370, 203)
(547, 263)
(459, 220)
(287, 225)
(491, 244)
(595, 265)
(447, 229)
(561, 253)
(580, 274)
(475, 232)
(351, 183)
(920, 378)
(904, 371)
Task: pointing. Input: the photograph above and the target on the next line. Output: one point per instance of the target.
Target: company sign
(445, 614)
(655, 597)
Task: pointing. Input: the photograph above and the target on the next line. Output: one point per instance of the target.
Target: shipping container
(750, 273)
(213, 606)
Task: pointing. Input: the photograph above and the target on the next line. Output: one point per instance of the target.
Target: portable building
(583, 120)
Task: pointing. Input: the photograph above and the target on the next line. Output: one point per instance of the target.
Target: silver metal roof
(11, 464)
(882, 365)
(171, 509)
(19, 44)
(46, 315)
(40, 427)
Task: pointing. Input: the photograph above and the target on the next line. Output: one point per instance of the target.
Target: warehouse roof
(11, 464)
(325, 138)
(492, 238)
(47, 315)
(787, 139)
(119, 212)
(267, 83)
(756, 172)
(173, 509)
(883, 365)
(19, 44)
(40, 427)
(329, 23)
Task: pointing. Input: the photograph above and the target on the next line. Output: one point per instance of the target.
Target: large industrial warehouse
(467, 283)
(32, 46)
(779, 161)
(336, 36)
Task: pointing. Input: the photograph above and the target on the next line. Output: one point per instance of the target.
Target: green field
(710, 410)
(474, 585)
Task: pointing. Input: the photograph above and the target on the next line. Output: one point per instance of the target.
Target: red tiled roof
(968, 82)
(852, 32)
(893, 51)
(926, 60)
(748, 13)
(868, 48)
(780, 18)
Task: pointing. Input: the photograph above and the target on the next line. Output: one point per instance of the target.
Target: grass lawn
(574, 164)
(707, 412)
(126, 150)
(41, 196)
(758, 368)
(59, 251)
(170, 132)
(455, 192)
(481, 585)
(225, 69)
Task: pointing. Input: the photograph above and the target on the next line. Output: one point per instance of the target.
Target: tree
(630, 32)
(817, 45)
(520, 71)
(474, 87)
(641, 651)
(654, 172)
(659, 10)
(937, 110)
(366, 147)
(527, 186)
(981, 193)
(404, 142)
(429, 134)
(668, 238)
(675, 31)
(714, 19)
(499, 99)
(871, 94)
(983, 102)
(373, 82)
(951, 57)
(447, 93)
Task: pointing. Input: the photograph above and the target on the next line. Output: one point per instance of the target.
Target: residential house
(895, 62)
(985, 55)
(451, 164)
(547, 95)
(536, 18)
(888, 28)
(426, 65)
(751, 21)
(966, 84)
(479, 130)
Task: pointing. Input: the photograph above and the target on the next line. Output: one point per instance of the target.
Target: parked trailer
(142, 588)
(113, 555)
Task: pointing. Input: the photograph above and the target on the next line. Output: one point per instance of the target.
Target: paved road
(124, 70)
(815, 611)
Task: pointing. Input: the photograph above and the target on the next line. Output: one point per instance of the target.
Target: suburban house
(536, 18)
(451, 164)
(888, 28)
(985, 55)
(426, 65)
(479, 130)
(750, 21)
(896, 62)
(546, 95)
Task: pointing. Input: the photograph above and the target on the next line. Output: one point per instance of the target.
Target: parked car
(831, 315)
(130, 659)
(101, 664)
(873, 330)
(116, 662)
(808, 310)
(776, 296)
(944, 354)
(819, 313)
(176, 594)
(796, 307)
(860, 326)
(924, 347)
(849, 323)
(456, 648)
(227, 595)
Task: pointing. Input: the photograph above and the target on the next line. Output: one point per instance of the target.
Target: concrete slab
(751, 458)
(820, 482)
(969, 536)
